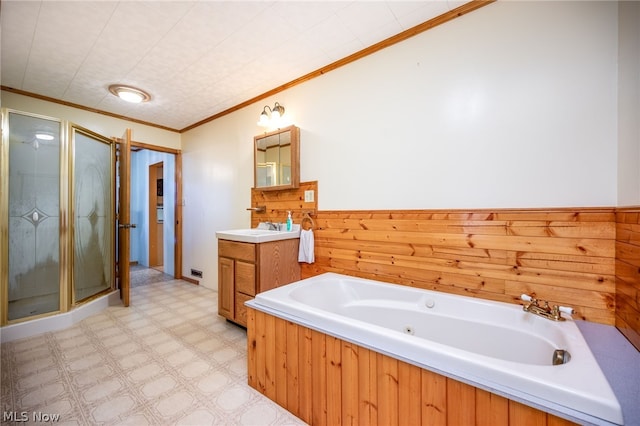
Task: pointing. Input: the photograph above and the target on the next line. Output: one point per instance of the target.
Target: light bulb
(264, 120)
(133, 97)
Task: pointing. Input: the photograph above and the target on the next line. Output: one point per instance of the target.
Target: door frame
(177, 258)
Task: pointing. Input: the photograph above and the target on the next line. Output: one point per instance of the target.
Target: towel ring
(307, 222)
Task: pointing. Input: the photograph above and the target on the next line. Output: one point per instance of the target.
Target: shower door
(56, 216)
(93, 199)
(33, 199)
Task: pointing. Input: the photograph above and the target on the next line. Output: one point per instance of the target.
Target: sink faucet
(273, 226)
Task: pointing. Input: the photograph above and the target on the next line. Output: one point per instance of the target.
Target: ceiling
(195, 58)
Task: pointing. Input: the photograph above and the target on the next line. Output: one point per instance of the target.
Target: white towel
(305, 252)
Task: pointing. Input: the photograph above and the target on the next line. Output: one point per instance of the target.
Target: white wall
(217, 173)
(101, 124)
(513, 105)
(629, 105)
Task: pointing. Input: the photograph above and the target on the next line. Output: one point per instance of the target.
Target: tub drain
(560, 356)
(409, 330)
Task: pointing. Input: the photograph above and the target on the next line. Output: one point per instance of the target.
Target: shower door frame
(67, 299)
(72, 130)
(64, 220)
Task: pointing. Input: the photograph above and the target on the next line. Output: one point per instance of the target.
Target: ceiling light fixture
(129, 94)
(272, 117)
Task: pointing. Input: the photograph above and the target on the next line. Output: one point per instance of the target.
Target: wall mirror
(277, 159)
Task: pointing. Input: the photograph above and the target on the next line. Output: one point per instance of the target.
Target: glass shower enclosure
(56, 216)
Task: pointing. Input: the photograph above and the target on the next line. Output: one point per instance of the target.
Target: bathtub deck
(620, 362)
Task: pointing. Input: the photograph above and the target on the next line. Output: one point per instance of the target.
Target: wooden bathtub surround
(245, 269)
(327, 381)
(628, 273)
(565, 256)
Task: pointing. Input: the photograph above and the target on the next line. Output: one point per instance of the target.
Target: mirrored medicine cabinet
(277, 159)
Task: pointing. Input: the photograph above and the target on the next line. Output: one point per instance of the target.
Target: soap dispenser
(289, 222)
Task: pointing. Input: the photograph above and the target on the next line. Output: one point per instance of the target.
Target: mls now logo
(23, 416)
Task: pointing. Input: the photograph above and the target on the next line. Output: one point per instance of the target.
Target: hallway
(167, 359)
(142, 275)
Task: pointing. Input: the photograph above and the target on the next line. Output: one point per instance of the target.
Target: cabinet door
(225, 287)
(278, 264)
(241, 310)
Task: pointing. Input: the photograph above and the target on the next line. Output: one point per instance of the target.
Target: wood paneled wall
(278, 203)
(565, 256)
(628, 273)
(327, 381)
(586, 258)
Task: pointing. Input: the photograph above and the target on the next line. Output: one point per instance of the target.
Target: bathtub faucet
(550, 312)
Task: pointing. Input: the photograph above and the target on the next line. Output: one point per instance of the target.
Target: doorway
(155, 187)
(156, 216)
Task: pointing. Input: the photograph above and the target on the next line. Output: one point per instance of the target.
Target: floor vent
(196, 273)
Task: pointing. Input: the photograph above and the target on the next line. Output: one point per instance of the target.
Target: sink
(258, 235)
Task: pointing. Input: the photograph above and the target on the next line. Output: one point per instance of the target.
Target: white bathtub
(492, 345)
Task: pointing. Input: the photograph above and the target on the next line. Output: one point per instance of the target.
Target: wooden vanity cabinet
(245, 269)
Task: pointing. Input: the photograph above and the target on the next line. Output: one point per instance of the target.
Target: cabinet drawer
(236, 250)
(241, 310)
(246, 278)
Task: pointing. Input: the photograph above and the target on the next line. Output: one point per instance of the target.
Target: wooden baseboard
(190, 280)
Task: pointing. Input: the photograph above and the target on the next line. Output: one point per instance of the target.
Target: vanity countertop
(260, 234)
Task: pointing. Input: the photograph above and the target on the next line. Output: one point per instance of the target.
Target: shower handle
(127, 225)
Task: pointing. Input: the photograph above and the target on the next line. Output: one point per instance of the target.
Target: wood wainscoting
(586, 258)
(565, 256)
(327, 381)
(628, 273)
(278, 203)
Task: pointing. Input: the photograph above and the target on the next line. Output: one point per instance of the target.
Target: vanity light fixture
(272, 117)
(129, 93)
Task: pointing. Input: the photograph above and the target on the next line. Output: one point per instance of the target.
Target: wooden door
(124, 216)
(156, 218)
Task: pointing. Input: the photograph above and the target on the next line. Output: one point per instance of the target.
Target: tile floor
(167, 359)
